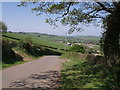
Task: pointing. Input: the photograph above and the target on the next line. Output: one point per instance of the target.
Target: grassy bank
(18, 52)
(78, 73)
(4, 66)
(25, 55)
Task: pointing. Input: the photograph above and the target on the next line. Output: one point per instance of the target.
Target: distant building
(77, 43)
(60, 41)
(70, 44)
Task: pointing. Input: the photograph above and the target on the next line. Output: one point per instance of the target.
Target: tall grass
(78, 73)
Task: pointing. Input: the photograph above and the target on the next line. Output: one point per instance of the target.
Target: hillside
(37, 40)
(56, 38)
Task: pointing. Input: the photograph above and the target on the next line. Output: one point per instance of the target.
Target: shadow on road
(44, 80)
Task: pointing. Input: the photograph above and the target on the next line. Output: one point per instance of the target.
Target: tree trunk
(111, 46)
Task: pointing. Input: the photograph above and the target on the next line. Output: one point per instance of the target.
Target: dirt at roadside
(24, 56)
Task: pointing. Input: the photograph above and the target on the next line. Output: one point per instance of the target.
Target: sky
(21, 19)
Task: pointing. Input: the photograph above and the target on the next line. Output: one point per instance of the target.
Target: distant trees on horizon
(3, 27)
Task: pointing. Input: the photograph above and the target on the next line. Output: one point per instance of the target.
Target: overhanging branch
(104, 8)
(68, 8)
(94, 11)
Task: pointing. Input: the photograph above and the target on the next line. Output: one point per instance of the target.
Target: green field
(54, 38)
(38, 40)
(51, 41)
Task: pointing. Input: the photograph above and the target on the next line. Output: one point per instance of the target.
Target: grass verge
(4, 66)
(26, 56)
(78, 73)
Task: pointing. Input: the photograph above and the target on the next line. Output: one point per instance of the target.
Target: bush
(8, 55)
(77, 48)
(3, 27)
(29, 40)
(78, 73)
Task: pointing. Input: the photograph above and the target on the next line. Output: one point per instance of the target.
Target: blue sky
(22, 19)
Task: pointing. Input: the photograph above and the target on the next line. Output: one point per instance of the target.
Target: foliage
(8, 55)
(29, 40)
(10, 58)
(30, 49)
(111, 37)
(75, 13)
(79, 73)
(35, 49)
(24, 48)
(77, 48)
(3, 27)
(74, 56)
(28, 46)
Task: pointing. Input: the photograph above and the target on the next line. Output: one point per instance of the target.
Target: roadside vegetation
(77, 48)
(85, 68)
(4, 65)
(9, 57)
(17, 52)
(82, 72)
(30, 47)
(73, 14)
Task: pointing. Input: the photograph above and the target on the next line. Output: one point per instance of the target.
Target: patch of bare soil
(25, 57)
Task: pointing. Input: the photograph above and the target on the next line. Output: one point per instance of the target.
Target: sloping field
(54, 38)
(38, 40)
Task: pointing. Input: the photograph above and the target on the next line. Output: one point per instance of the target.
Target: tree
(3, 27)
(74, 13)
(111, 37)
(77, 48)
(29, 40)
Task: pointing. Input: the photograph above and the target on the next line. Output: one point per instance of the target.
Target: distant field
(54, 38)
(38, 40)
(51, 40)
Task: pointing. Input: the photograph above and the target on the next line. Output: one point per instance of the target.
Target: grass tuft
(78, 73)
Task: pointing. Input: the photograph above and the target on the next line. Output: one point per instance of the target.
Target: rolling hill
(55, 38)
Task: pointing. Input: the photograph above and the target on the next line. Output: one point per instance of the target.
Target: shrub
(77, 48)
(29, 40)
(92, 59)
(3, 27)
(8, 55)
